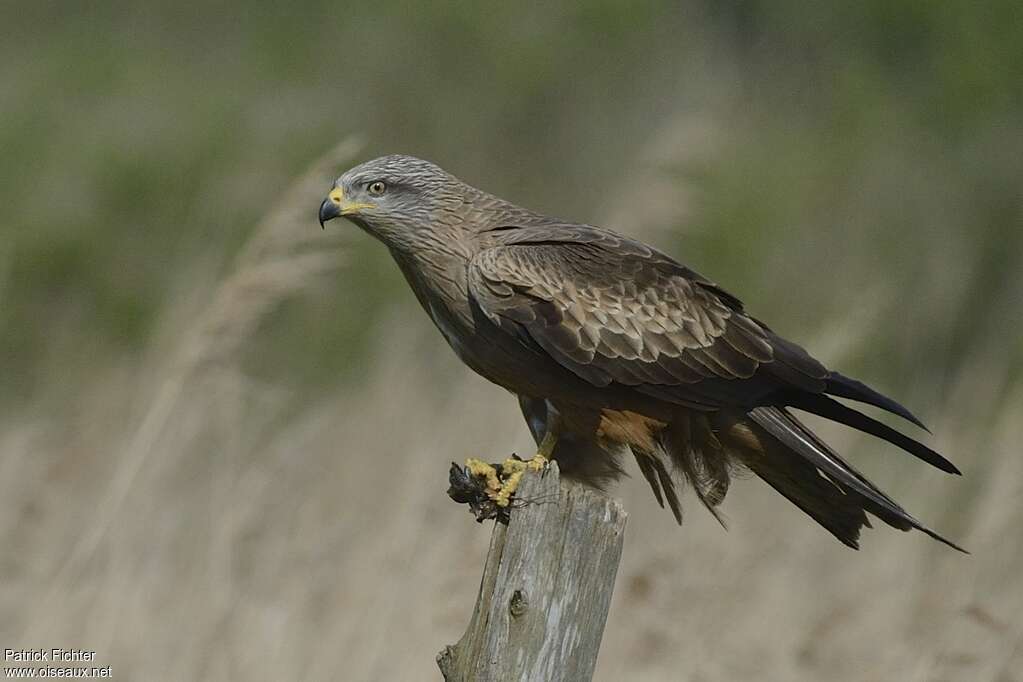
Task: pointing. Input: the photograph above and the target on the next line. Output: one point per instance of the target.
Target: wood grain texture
(546, 588)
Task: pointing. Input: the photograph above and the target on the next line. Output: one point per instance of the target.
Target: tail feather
(706, 448)
(817, 496)
(793, 442)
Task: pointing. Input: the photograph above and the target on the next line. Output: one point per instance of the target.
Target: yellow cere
(337, 195)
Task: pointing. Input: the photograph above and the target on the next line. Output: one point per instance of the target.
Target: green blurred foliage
(867, 154)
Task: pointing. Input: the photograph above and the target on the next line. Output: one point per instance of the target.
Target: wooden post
(546, 587)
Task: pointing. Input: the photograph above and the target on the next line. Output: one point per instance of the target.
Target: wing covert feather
(614, 310)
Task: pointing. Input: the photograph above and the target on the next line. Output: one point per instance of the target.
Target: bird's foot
(538, 463)
(502, 480)
(488, 489)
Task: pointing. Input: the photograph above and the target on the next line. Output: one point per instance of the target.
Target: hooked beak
(331, 206)
(337, 205)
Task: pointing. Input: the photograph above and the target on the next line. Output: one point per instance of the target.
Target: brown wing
(614, 310)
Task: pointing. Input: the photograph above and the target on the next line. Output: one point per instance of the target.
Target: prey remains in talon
(488, 489)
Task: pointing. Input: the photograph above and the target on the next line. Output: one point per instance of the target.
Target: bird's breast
(442, 289)
(453, 330)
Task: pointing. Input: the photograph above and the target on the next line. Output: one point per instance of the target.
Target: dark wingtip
(838, 384)
(826, 407)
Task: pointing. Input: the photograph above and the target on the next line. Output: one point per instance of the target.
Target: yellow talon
(477, 467)
(502, 485)
(502, 498)
(512, 464)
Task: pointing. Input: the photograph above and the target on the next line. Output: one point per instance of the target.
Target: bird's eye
(376, 188)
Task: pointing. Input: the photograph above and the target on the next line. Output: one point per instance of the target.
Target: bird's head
(400, 200)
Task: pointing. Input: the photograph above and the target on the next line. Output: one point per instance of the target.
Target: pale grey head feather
(419, 200)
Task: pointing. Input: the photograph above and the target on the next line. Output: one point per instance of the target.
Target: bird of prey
(614, 347)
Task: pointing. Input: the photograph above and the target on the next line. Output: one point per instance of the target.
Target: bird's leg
(545, 451)
(513, 468)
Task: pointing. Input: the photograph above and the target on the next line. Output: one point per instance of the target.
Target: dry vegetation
(186, 525)
(246, 479)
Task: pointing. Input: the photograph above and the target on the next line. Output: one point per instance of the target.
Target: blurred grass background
(207, 470)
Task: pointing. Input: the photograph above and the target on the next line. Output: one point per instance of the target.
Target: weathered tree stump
(546, 587)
